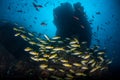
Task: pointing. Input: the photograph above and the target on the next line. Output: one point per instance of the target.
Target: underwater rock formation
(72, 22)
(11, 52)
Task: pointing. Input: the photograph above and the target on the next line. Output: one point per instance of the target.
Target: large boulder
(72, 22)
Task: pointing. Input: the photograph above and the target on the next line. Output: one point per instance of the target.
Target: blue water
(22, 12)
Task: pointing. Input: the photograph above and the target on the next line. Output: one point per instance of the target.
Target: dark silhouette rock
(14, 45)
(72, 22)
(11, 52)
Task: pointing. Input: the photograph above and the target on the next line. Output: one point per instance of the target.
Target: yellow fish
(94, 69)
(46, 37)
(84, 68)
(75, 45)
(17, 34)
(32, 42)
(67, 65)
(43, 66)
(23, 36)
(46, 55)
(49, 47)
(69, 75)
(50, 69)
(77, 64)
(34, 59)
(28, 49)
(91, 61)
(53, 56)
(30, 34)
(76, 53)
(61, 70)
(33, 53)
(84, 62)
(80, 74)
(63, 60)
(86, 56)
(56, 37)
(72, 71)
(43, 59)
(100, 53)
(58, 49)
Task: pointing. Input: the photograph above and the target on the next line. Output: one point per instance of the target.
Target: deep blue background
(108, 20)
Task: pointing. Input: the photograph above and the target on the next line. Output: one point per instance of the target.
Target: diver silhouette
(72, 22)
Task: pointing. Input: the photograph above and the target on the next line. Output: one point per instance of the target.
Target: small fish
(83, 27)
(33, 53)
(101, 58)
(32, 42)
(103, 68)
(64, 61)
(67, 65)
(93, 64)
(41, 45)
(43, 24)
(53, 56)
(98, 13)
(56, 37)
(67, 38)
(84, 68)
(77, 64)
(52, 41)
(109, 61)
(93, 17)
(76, 53)
(72, 71)
(30, 34)
(94, 69)
(15, 29)
(49, 47)
(58, 49)
(61, 70)
(72, 42)
(87, 56)
(23, 36)
(100, 53)
(69, 75)
(28, 49)
(76, 40)
(43, 59)
(80, 74)
(37, 6)
(73, 49)
(46, 37)
(75, 45)
(52, 52)
(61, 42)
(84, 62)
(43, 42)
(19, 11)
(43, 66)
(17, 34)
(91, 61)
(84, 42)
(34, 59)
(50, 69)
(46, 55)
(75, 17)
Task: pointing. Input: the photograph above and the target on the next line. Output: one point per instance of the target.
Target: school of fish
(66, 56)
